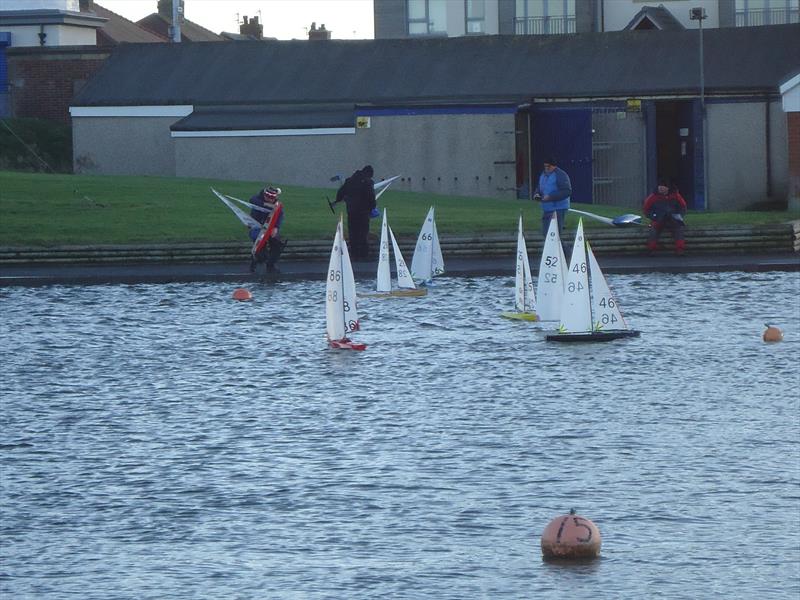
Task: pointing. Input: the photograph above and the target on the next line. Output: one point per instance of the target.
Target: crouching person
(666, 209)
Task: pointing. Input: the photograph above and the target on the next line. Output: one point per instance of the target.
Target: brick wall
(43, 81)
(793, 122)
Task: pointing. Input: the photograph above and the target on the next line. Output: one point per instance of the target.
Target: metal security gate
(619, 165)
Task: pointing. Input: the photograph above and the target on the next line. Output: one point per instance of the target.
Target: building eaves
(265, 117)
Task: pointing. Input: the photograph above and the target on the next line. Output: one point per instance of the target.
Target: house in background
(452, 18)
(160, 23)
(790, 95)
(50, 48)
(473, 115)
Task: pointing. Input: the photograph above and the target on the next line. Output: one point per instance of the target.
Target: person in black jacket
(358, 193)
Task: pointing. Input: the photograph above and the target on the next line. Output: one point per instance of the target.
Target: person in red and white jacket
(666, 209)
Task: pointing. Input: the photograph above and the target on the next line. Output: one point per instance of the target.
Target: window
(476, 16)
(427, 16)
(767, 12)
(535, 17)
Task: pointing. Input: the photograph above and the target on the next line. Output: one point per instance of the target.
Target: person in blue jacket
(554, 191)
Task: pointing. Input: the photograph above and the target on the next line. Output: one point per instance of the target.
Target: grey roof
(659, 16)
(283, 116)
(471, 69)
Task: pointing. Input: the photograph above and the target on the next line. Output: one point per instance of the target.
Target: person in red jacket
(665, 208)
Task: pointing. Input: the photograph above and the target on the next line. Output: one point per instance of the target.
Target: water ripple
(165, 441)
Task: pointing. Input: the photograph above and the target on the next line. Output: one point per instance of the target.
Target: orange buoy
(242, 295)
(570, 537)
(772, 334)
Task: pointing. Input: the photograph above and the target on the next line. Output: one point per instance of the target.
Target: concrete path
(49, 274)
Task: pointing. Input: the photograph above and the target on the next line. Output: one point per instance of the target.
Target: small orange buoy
(242, 295)
(772, 334)
(570, 537)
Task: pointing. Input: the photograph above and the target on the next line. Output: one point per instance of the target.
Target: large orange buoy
(242, 295)
(570, 537)
(772, 334)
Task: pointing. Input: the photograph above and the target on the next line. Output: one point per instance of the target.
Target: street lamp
(699, 14)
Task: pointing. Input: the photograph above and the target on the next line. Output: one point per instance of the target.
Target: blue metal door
(5, 41)
(566, 134)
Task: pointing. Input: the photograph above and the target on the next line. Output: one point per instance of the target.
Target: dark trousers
(657, 227)
(271, 252)
(358, 232)
(548, 214)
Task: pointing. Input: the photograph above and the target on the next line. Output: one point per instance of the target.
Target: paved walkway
(48, 274)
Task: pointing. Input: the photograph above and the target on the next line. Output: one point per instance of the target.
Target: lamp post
(699, 14)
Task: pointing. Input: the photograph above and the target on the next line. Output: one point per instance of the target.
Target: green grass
(42, 210)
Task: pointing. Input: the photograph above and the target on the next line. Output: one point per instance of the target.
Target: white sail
(605, 309)
(421, 262)
(427, 261)
(246, 219)
(349, 308)
(384, 283)
(404, 279)
(437, 261)
(552, 275)
(576, 309)
(341, 315)
(334, 291)
(382, 186)
(525, 298)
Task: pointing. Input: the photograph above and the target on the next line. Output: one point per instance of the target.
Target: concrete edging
(755, 239)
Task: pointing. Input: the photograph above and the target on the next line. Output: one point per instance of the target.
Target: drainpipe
(531, 185)
(768, 153)
(42, 35)
(176, 22)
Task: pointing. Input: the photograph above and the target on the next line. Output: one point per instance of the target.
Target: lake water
(164, 441)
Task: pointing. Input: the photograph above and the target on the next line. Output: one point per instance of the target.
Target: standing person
(665, 208)
(266, 199)
(554, 191)
(358, 193)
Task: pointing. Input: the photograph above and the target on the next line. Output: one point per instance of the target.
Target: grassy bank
(38, 209)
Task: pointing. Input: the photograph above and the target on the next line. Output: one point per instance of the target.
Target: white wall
(432, 153)
(737, 152)
(123, 145)
(618, 13)
(790, 92)
(71, 5)
(57, 35)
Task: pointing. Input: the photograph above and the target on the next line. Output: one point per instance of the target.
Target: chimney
(318, 34)
(86, 5)
(165, 9)
(252, 28)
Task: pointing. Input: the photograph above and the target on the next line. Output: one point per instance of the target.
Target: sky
(282, 19)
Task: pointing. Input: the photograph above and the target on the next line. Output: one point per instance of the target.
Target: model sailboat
(405, 283)
(552, 275)
(589, 312)
(341, 313)
(427, 261)
(265, 229)
(524, 297)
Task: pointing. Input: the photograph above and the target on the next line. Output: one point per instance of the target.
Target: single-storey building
(470, 115)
